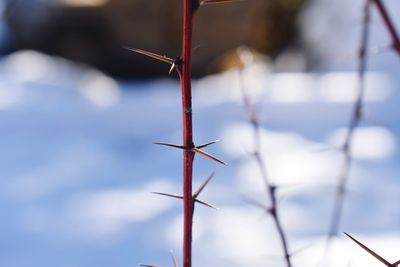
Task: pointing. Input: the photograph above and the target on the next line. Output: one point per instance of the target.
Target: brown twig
(252, 116)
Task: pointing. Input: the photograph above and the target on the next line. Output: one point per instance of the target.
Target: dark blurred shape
(94, 31)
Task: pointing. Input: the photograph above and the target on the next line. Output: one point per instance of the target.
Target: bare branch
(355, 120)
(252, 116)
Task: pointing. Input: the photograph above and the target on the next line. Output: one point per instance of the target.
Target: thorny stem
(188, 155)
(270, 188)
(353, 124)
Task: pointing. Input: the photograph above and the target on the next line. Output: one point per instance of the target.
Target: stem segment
(188, 155)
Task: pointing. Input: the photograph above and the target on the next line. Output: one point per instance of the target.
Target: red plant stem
(389, 25)
(188, 155)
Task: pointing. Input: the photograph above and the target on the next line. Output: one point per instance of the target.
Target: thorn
(205, 154)
(175, 262)
(370, 251)
(181, 197)
(203, 185)
(205, 204)
(151, 55)
(256, 203)
(299, 250)
(170, 145)
(167, 195)
(200, 189)
(209, 2)
(176, 65)
(172, 68)
(208, 144)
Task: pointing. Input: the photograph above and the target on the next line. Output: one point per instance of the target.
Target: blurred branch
(246, 57)
(355, 120)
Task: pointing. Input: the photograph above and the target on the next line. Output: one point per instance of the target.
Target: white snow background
(77, 163)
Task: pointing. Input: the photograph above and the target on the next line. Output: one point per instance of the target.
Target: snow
(108, 211)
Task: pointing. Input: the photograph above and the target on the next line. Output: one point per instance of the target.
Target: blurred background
(78, 115)
(94, 31)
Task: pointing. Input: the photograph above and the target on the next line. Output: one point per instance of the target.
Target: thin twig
(355, 119)
(246, 56)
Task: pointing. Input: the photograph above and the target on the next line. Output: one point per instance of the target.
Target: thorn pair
(374, 254)
(196, 149)
(195, 195)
